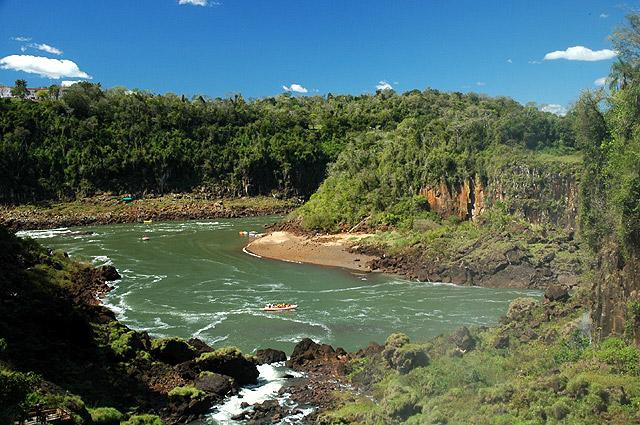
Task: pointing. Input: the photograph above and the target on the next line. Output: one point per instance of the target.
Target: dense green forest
(89, 140)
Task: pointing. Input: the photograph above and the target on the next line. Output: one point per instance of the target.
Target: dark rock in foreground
(231, 362)
(556, 292)
(269, 355)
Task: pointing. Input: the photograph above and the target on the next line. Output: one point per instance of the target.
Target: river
(192, 279)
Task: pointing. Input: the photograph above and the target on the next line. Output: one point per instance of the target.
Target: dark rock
(307, 350)
(528, 335)
(199, 345)
(269, 355)
(187, 370)
(463, 339)
(230, 362)
(240, 416)
(372, 349)
(109, 273)
(502, 341)
(520, 308)
(556, 292)
(214, 383)
(244, 405)
(549, 257)
(172, 350)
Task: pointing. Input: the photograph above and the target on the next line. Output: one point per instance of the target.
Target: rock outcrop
(616, 294)
(269, 355)
(539, 192)
(230, 362)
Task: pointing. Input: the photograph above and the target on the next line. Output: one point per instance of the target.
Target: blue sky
(256, 47)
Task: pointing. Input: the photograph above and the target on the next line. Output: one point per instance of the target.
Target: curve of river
(192, 279)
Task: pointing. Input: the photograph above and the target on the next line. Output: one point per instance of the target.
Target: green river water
(193, 279)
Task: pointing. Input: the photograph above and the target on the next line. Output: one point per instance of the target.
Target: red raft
(280, 307)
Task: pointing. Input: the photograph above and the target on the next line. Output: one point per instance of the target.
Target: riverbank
(325, 250)
(513, 255)
(111, 209)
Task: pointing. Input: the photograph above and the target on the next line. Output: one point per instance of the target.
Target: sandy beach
(325, 250)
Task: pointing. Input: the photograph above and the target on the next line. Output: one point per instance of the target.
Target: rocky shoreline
(218, 374)
(110, 209)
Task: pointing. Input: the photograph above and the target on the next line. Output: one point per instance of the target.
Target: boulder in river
(308, 350)
(231, 362)
(214, 383)
(109, 273)
(269, 355)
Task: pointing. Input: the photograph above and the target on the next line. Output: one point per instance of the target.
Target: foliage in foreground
(550, 372)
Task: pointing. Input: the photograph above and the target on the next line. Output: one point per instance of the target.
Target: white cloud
(601, 81)
(21, 38)
(581, 53)
(200, 2)
(534, 62)
(45, 67)
(383, 85)
(295, 88)
(69, 83)
(46, 48)
(554, 109)
(509, 60)
(604, 15)
(481, 83)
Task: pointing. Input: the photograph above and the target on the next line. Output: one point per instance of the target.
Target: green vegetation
(377, 176)
(143, 420)
(90, 140)
(555, 376)
(188, 392)
(105, 416)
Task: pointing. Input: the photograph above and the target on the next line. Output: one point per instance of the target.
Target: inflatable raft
(276, 307)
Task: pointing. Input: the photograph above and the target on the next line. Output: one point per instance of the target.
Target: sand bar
(324, 250)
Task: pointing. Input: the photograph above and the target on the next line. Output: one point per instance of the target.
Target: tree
(20, 89)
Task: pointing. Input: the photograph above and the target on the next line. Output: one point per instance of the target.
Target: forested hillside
(91, 140)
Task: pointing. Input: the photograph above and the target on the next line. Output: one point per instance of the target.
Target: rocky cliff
(537, 190)
(616, 294)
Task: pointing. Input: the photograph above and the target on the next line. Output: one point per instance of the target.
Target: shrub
(15, 388)
(143, 420)
(105, 416)
(188, 391)
(559, 410)
(622, 357)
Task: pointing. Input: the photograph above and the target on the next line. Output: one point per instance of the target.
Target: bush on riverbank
(548, 371)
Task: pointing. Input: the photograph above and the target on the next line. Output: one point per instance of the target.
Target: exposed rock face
(308, 350)
(536, 192)
(520, 308)
(465, 202)
(556, 292)
(172, 350)
(109, 273)
(463, 339)
(230, 362)
(615, 290)
(269, 355)
(214, 383)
